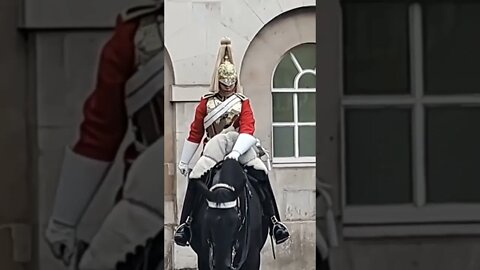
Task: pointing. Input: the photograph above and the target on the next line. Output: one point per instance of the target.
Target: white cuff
(244, 142)
(80, 179)
(189, 149)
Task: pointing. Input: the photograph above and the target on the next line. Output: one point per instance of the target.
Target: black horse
(229, 229)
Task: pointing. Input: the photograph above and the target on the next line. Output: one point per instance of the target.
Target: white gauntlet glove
(189, 149)
(183, 168)
(242, 144)
(61, 239)
(80, 178)
(233, 155)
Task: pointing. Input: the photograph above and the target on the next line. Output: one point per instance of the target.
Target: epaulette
(139, 11)
(241, 96)
(209, 95)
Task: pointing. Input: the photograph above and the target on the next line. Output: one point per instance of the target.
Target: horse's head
(222, 216)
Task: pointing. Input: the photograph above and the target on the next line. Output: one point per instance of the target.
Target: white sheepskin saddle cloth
(217, 148)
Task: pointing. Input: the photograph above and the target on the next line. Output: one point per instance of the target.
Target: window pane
(378, 156)
(305, 55)
(306, 107)
(452, 42)
(285, 73)
(307, 81)
(453, 149)
(282, 107)
(306, 136)
(376, 48)
(286, 70)
(283, 142)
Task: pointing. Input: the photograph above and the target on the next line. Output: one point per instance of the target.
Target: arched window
(293, 93)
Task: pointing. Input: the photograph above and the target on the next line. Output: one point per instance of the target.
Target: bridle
(223, 205)
(229, 205)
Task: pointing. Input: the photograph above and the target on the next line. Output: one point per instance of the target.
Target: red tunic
(245, 123)
(105, 118)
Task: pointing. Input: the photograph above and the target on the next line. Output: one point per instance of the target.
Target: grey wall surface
(15, 143)
(73, 13)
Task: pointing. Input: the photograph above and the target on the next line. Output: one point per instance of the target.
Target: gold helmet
(227, 74)
(225, 71)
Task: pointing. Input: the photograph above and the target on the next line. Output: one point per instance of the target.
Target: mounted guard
(225, 109)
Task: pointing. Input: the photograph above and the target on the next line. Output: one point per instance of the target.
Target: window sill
(412, 230)
(409, 214)
(293, 164)
(410, 221)
(292, 160)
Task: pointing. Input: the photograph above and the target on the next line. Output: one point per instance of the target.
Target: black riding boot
(183, 233)
(277, 228)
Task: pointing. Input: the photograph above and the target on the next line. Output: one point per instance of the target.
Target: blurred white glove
(242, 144)
(233, 155)
(183, 168)
(189, 149)
(61, 239)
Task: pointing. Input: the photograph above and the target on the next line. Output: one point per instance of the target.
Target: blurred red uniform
(129, 92)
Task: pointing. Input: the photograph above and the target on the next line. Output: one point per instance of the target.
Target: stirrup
(274, 220)
(283, 228)
(185, 226)
(189, 221)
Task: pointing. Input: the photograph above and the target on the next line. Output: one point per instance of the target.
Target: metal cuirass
(226, 121)
(144, 90)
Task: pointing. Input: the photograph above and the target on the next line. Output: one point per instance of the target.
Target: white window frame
(415, 218)
(297, 160)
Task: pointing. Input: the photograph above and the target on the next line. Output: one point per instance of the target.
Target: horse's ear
(202, 187)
